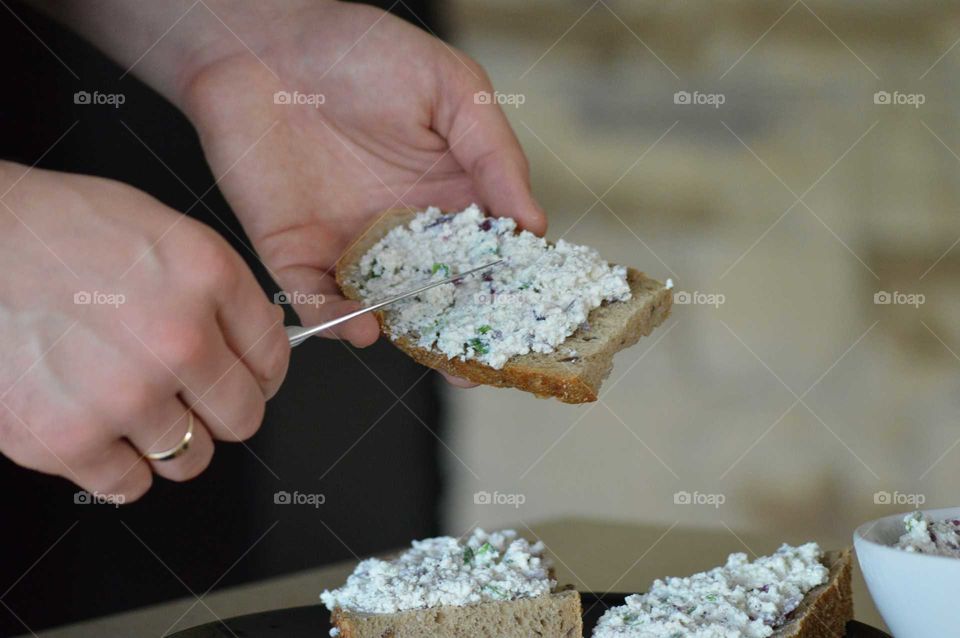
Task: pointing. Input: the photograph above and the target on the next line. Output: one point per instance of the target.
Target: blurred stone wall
(795, 201)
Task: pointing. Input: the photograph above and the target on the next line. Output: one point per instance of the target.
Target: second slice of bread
(556, 615)
(572, 378)
(825, 610)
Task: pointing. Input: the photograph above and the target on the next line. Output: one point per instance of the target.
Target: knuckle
(476, 74)
(52, 439)
(461, 70)
(130, 398)
(211, 262)
(133, 485)
(182, 343)
(276, 358)
(78, 440)
(206, 85)
(524, 165)
(14, 440)
(113, 475)
(250, 420)
(485, 164)
(485, 81)
(29, 455)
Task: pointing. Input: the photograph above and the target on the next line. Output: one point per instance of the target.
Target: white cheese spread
(926, 536)
(447, 571)
(740, 599)
(531, 302)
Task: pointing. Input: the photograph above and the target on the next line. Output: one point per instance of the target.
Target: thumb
(483, 143)
(314, 296)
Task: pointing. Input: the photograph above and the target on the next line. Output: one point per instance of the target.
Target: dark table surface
(313, 621)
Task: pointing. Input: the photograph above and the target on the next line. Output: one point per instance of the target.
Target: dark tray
(314, 622)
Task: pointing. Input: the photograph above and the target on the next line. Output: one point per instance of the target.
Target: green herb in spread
(373, 274)
(479, 347)
(495, 590)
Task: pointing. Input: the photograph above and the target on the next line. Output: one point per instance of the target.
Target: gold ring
(179, 448)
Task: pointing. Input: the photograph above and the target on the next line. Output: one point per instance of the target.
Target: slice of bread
(825, 610)
(556, 615)
(572, 379)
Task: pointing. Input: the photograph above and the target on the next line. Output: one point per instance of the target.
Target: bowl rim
(860, 533)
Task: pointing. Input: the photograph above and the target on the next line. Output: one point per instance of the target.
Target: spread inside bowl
(925, 535)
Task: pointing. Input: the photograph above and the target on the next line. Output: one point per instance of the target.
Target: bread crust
(824, 613)
(826, 610)
(556, 615)
(610, 328)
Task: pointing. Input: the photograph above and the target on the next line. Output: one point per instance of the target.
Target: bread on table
(495, 585)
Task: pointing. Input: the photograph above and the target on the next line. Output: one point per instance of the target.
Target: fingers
(253, 329)
(322, 304)
(265, 356)
(484, 144)
(118, 472)
(361, 331)
(165, 430)
(224, 394)
(458, 382)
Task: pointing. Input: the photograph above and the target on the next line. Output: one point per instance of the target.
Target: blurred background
(782, 193)
(793, 167)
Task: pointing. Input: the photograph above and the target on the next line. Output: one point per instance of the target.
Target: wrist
(228, 29)
(168, 44)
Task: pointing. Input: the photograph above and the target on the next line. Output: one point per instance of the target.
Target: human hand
(119, 315)
(399, 126)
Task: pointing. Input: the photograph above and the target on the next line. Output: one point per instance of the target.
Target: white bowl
(917, 594)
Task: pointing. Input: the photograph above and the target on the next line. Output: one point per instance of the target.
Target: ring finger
(165, 430)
